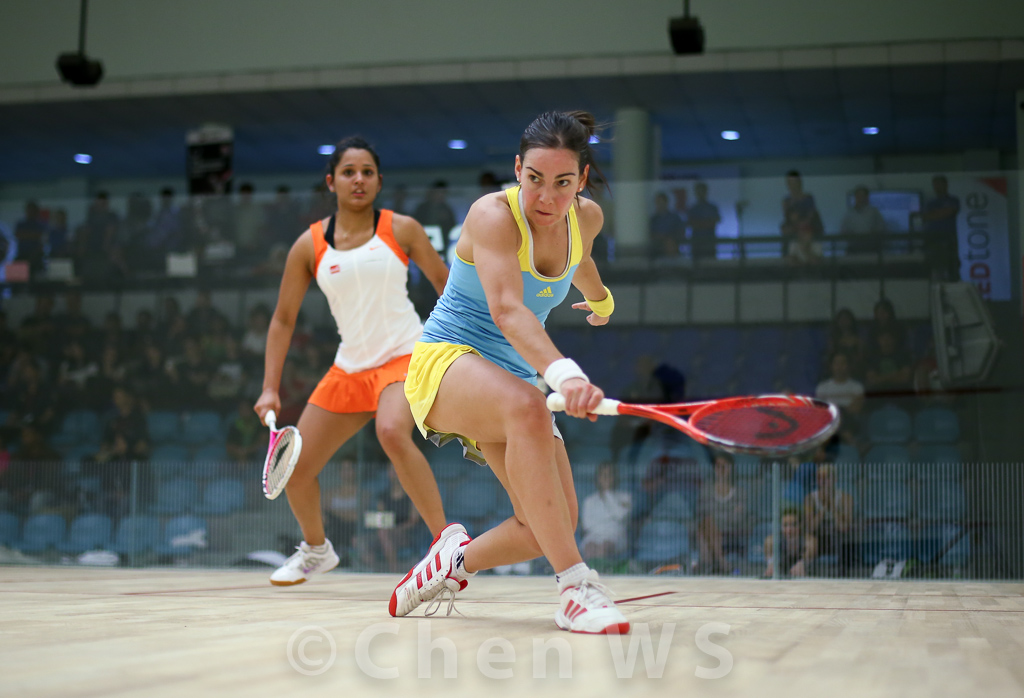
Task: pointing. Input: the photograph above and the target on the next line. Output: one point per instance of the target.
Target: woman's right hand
(269, 400)
(581, 398)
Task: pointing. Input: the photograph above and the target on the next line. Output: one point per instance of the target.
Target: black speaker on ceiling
(78, 69)
(686, 33)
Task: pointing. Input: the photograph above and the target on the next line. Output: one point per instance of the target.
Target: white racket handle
(271, 420)
(556, 403)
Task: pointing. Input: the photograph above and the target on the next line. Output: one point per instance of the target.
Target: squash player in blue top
(473, 372)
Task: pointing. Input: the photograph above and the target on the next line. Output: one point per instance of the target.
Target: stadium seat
(223, 496)
(88, 532)
(78, 428)
(674, 506)
(885, 541)
(888, 461)
(940, 501)
(201, 428)
(164, 427)
(885, 499)
(889, 425)
(42, 532)
(137, 534)
(175, 496)
(183, 535)
(10, 529)
(936, 425)
(939, 462)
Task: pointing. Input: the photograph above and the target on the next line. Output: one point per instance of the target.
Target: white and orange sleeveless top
(366, 290)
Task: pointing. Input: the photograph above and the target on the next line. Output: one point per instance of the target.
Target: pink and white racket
(768, 425)
(282, 455)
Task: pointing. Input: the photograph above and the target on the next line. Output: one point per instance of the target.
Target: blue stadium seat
(42, 532)
(940, 501)
(175, 496)
(137, 534)
(939, 462)
(223, 496)
(201, 428)
(936, 425)
(886, 541)
(10, 529)
(164, 427)
(674, 506)
(88, 532)
(183, 535)
(946, 544)
(890, 425)
(887, 455)
(662, 541)
(77, 428)
(885, 499)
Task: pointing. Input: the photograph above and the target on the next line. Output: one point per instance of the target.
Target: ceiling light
(83, 159)
(870, 130)
(731, 135)
(326, 150)
(457, 144)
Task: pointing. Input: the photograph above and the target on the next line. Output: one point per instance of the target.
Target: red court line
(649, 596)
(189, 591)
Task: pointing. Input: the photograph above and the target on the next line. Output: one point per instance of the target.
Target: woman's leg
(394, 431)
(468, 403)
(323, 433)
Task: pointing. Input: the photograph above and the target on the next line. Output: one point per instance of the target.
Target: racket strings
(279, 459)
(777, 425)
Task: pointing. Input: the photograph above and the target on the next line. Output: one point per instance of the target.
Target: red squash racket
(282, 455)
(767, 425)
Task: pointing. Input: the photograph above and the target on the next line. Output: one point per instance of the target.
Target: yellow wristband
(603, 307)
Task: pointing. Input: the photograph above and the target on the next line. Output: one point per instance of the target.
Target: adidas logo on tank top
(546, 293)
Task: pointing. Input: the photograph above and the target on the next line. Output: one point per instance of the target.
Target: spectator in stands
(343, 510)
(125, 439)
(96, 240)
(885, 321)
(392, 540)
(40, 486)
(254, 341)
(283, 217)
(846, 393)
(112, 333)
(722, 517)
(889, 366)
(703, 219)
(246, 440)
(799, 210)
(166, 232)
(797, 550)
(862, 219)
(229, 376)
(59, 234)
(250, 224)
(939, 217)
(804, 249)
(844, 336)
(435, 211)
(667, 229)
(488, 182)
(134, 232)
(113, 371)
(73, 323)
(399, 199)
(149, 379)
(191, 376)
(203, 315)
(8, 348)
(8, 249)
(32, 234)
(828, 514)
(73, 374)
(39, 331)
(604, 517)
(34, 399)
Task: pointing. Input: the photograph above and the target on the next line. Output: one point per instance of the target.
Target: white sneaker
(586, 608)
(431, 575)
(304, 564)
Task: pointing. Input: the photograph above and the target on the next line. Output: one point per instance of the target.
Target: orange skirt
(344, 393)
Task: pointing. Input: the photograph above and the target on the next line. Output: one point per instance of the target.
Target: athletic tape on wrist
(603, 307)
(562, 370)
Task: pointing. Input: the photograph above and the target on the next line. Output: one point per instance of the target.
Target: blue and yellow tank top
(461, 315)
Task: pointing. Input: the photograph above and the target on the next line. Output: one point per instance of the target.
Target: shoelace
(435, 604)
(589, 589)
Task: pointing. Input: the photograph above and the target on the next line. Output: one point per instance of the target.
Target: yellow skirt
(426, 369)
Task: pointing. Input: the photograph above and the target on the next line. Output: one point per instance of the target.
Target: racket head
(282, 455)
(767, 425)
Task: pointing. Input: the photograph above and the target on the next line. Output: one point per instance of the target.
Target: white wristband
(562, 370)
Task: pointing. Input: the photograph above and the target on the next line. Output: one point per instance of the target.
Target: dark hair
(793, 173)
(351, 142)
(570, 130)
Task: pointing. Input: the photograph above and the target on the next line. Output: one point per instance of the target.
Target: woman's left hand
(593, 318)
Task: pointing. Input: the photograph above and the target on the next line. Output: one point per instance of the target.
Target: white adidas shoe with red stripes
(586, 608)
(430, 576)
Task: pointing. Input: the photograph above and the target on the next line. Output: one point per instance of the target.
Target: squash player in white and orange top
(359, 257)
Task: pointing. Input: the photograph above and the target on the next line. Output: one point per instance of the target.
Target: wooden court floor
(72, 631)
